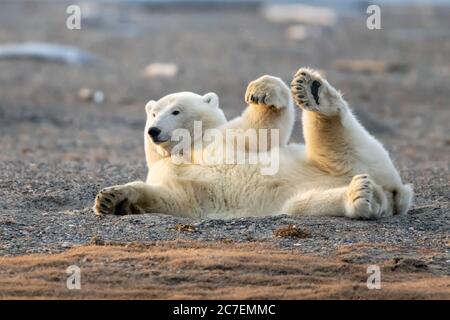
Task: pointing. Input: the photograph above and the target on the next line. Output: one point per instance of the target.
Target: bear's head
(179, 111)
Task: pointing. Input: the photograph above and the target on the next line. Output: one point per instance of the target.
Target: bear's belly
(223, 191)
(236, 191)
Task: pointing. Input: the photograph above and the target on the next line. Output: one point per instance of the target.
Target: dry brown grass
(191, 270)
(291, 231)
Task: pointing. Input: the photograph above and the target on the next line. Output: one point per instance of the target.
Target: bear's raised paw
(268, 91)
(313, 93)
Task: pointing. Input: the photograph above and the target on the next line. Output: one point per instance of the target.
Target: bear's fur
(191, 107)
(269, 102)
(341, 170)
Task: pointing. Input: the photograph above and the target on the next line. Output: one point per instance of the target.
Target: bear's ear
(149, 105)
(212, 99)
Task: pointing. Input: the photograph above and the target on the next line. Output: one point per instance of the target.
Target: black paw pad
(120, 209)
(315, 85)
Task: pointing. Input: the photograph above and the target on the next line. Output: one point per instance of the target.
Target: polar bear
(341, 170)
(269, 106)
(175, 111)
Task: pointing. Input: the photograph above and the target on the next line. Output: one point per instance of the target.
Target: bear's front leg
(328, 124)
(118, 200)
(140, 197)
(270, 106)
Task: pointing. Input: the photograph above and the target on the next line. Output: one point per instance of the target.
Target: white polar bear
(270, 106)
(175, 111)
(341, 170)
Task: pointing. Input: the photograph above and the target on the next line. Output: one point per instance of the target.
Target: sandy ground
(57, 151)
(192, 270)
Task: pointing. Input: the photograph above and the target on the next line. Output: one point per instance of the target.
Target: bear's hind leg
(337, 143)
(313, 93)
(361, 199)
(328, 123)
(367, 200)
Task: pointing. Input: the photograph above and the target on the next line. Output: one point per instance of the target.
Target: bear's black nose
(154, 132)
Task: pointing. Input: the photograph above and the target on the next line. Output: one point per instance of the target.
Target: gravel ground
(57, 151)
(52, 213)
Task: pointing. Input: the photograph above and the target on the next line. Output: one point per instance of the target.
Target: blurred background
(397, 78)
(69, 113)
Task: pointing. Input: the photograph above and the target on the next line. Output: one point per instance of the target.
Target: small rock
(300, 32)
(90, 95)
(409, 265)
(66, 244)
(98, 97)
(166, 70)
(184, 228)
(7, 221)
(96, 241)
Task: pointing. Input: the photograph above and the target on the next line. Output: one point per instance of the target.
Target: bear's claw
(114, 201)
(269, 91)
(311, 92)
(306, 87)
(365, 199)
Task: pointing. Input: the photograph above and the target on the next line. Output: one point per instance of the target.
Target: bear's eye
(175, 112)
(154, 115)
